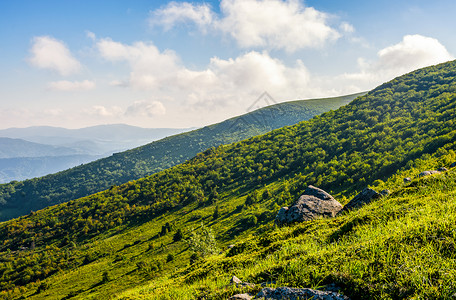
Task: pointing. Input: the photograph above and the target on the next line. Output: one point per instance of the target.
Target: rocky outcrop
(363, 198)
(427, 173)
(314, 203)
(295, 294)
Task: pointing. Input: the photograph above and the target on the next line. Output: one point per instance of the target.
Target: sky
(179, 64)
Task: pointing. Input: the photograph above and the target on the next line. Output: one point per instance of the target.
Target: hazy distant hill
(95, 140)
(10, 148)
(20, 197)
(21, 168)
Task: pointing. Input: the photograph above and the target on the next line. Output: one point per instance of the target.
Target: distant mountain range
(95, 140)
(37, 151)
(19, 198)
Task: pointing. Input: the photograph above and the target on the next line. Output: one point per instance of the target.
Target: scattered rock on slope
(427, 173)
(312, 204)
(241, 297)
(295, 294)
(363, 198)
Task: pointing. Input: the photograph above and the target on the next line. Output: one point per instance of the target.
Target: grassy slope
(19, 198)
(122, 224)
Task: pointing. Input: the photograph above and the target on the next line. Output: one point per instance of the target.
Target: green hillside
(19, 198)
(140, 240)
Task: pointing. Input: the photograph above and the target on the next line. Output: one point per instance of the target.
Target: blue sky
(184, 64)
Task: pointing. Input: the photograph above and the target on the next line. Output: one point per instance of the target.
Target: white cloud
(413, 52)
(102, 111)
(146, 61)
(71, 86)
(183, 12)
(270, 24)
(346, 27)
(49, 53)
(146, 109)
(245, 76)
(91, 35)
(275, 24)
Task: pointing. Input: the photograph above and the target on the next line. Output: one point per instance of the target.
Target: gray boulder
(407, 179)
(363, 198)
(427, 173)
(287, 293)
(312, 204)
(442, 169)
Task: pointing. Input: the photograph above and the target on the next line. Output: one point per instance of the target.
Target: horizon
(179, 64)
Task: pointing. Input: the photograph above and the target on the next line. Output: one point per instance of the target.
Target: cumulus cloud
(271, 24)
(146, 61)
(413, 52)
(49, 53)
(145, 108)
(249, 74)
(182, 12)
(275, 24)
(71, 86)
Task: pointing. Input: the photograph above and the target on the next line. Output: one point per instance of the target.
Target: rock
(363, 198)
(312, 204)
(239, 283)
(442, 169)
(230, 246)
(407, 179)
(241, 297)
(453, 165)
(235, 280)
(427, 173)
(287, 293)
(385, 193)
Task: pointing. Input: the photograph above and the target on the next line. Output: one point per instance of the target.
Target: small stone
(427, 173)
(235, 280)
(442, 169)
(230, 246)
(241, 297)
(407, 179)
(363, 198)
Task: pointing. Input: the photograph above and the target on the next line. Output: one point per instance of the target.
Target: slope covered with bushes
(19, 198)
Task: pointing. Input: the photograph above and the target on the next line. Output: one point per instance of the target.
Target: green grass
(402, 246)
